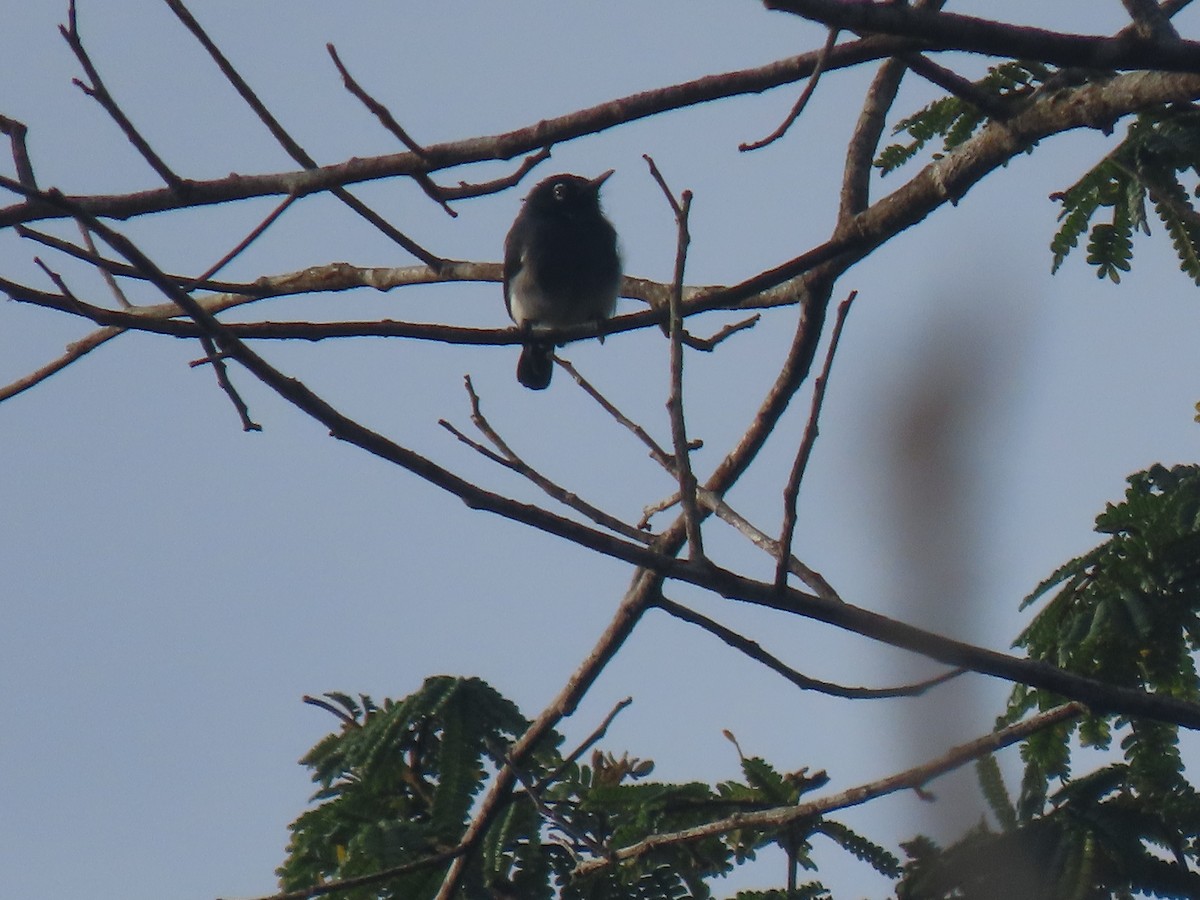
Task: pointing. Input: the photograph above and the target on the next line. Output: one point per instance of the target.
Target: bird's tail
(536, 365)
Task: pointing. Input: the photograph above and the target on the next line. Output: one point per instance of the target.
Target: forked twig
(508, 458)
(98, 92)
(222, 373)
(288, 142)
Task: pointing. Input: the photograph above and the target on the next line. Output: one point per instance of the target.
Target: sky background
(170, 586)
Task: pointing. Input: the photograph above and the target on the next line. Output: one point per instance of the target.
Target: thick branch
(950, 31)
(529, 139)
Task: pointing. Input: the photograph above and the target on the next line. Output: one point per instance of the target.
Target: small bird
(561, 267)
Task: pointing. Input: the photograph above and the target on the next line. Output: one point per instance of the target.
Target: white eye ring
(560, 191)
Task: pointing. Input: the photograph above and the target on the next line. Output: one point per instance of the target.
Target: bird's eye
(560, 191)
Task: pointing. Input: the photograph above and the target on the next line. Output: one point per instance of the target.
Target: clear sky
(170, 586)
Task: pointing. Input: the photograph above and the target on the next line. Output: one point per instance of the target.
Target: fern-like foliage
(1160, 147)
(396, 783)
(1127, 613)
(954, 120)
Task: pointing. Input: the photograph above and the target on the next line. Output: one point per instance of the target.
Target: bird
(561, 267)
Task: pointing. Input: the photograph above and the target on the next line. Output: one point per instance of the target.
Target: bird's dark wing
(513, 256)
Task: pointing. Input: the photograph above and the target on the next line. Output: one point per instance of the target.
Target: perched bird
(561, 267)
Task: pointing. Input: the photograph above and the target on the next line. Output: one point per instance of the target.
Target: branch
(951, 31)
(286, 141)
(75, 350)
(782, 816)
(389, 122)
(801, 101)
(753, 650)
(98, 92)
(528, 139)
(509, 459)
(791, 491)
(683, 462)
(1150, 21)
(16, 132)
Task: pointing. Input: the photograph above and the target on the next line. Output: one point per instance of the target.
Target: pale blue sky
(172, 586)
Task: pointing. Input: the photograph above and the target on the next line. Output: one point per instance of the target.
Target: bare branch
(483, 188)
(245, 242)
(801, 101)
(951, 31)
(389, 122)
(952, 82)
(98, 92)
(643, 588)
(117, 293)
(288, 143)
(222, 373)
(860, 154)
(74, 351)
(587, 742)
(657, 453)
(528, 139)
(792, 490)
(511, 460)
(683, 463)
(709, 344)
(753, 650)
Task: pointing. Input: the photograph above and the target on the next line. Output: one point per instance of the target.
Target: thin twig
(710, 343)
(92, 256)
(802, 100)
(657, 453)
(780, 817)
(389, 122)
(707, 497)
(98, 92)
(510, 459)
(683, 462)
(288, 143)
(587, 742)
(74, 351)
(219, 369)
(241, 245)
(483, 188)
(119, 294)
(753, 650)
(792, 491)
(633, 606)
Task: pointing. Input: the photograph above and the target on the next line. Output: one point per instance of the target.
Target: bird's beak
(600, 179)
